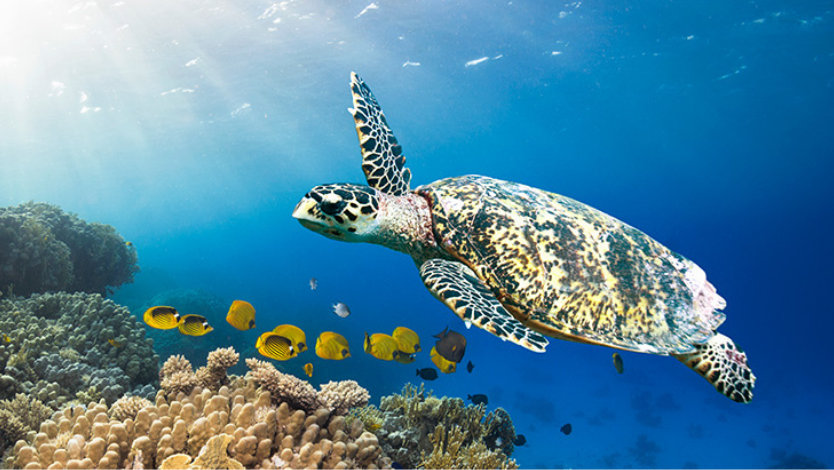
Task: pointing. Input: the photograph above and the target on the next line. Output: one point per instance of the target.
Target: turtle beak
(305, 209)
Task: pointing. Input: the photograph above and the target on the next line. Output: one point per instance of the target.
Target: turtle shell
(570, 271)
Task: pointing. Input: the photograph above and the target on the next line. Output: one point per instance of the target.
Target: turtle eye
(332, 207)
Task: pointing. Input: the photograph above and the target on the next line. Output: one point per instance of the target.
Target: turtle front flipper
(454, 284)
(382, 158)
(724, 365)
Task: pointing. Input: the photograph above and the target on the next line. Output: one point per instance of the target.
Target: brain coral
(44, 249)
(58, 349)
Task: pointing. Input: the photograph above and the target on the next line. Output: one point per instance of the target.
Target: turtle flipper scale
(382, 158)
(724, 365)
(454, 284)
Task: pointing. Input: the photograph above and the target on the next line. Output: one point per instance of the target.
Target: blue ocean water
(194, 127)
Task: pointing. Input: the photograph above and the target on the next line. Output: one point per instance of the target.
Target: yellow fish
(330, 345)
(380, 346)
(294, 334)
(6, 338)
(404, 358)
(241, 315)
(407, 340)
(446, 366)
(275, 346)
(114, 343)
(129, 244)
(161, 317)
(308, 369)
(194, 325)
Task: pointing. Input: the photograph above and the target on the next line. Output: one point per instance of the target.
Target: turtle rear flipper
(454, 284)
(382, 158)
(724, 365)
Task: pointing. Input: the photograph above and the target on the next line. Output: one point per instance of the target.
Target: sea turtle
(522, 263)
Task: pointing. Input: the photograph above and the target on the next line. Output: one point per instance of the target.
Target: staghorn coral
(203, 429)
(412, 417)
(450, 452)
(44, 249)
(58, 349)
(343, 395)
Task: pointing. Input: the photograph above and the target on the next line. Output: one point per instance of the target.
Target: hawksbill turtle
(523, 263)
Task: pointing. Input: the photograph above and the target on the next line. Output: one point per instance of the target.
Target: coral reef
(339, 397)
(18, 417)
(418, 427)
(42, 249)
(237, 426)
(58, 349)
(449, 452)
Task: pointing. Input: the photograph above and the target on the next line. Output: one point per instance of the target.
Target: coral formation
(18, 417)
(42, 249)
(237, 426)
(128, 407)
(58, 349)
(417, 428)
(339, 397)
(449, 452)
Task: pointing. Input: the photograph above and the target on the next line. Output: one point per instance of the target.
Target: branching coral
(449, 451)
(18, 417)
(284, 387)
(59, 349)
(44, 249)
(213, 375)
(343, 395)
(128, 407)
(413, 416)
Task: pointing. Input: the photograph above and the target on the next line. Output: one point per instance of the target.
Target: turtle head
(346, 212)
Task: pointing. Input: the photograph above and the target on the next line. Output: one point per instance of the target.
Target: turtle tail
(724, 365)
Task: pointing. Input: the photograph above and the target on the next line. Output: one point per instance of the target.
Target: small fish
(445, 366)
(520, 440)
(194, 325)
(566, 429)
(499, 442)
(380, 346)
(469, 367)
(162, 317)
(114, 343)
(618, 363)
(404, 358)
(294, 334)
(6, 338)
(341, 309)
(407, 340)
(451, 345)
(478, 399)
(129, 244)
(275, 346)
(330, 345)
(427, 374)
(314, 283)
(241, 315)
(308, 369)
